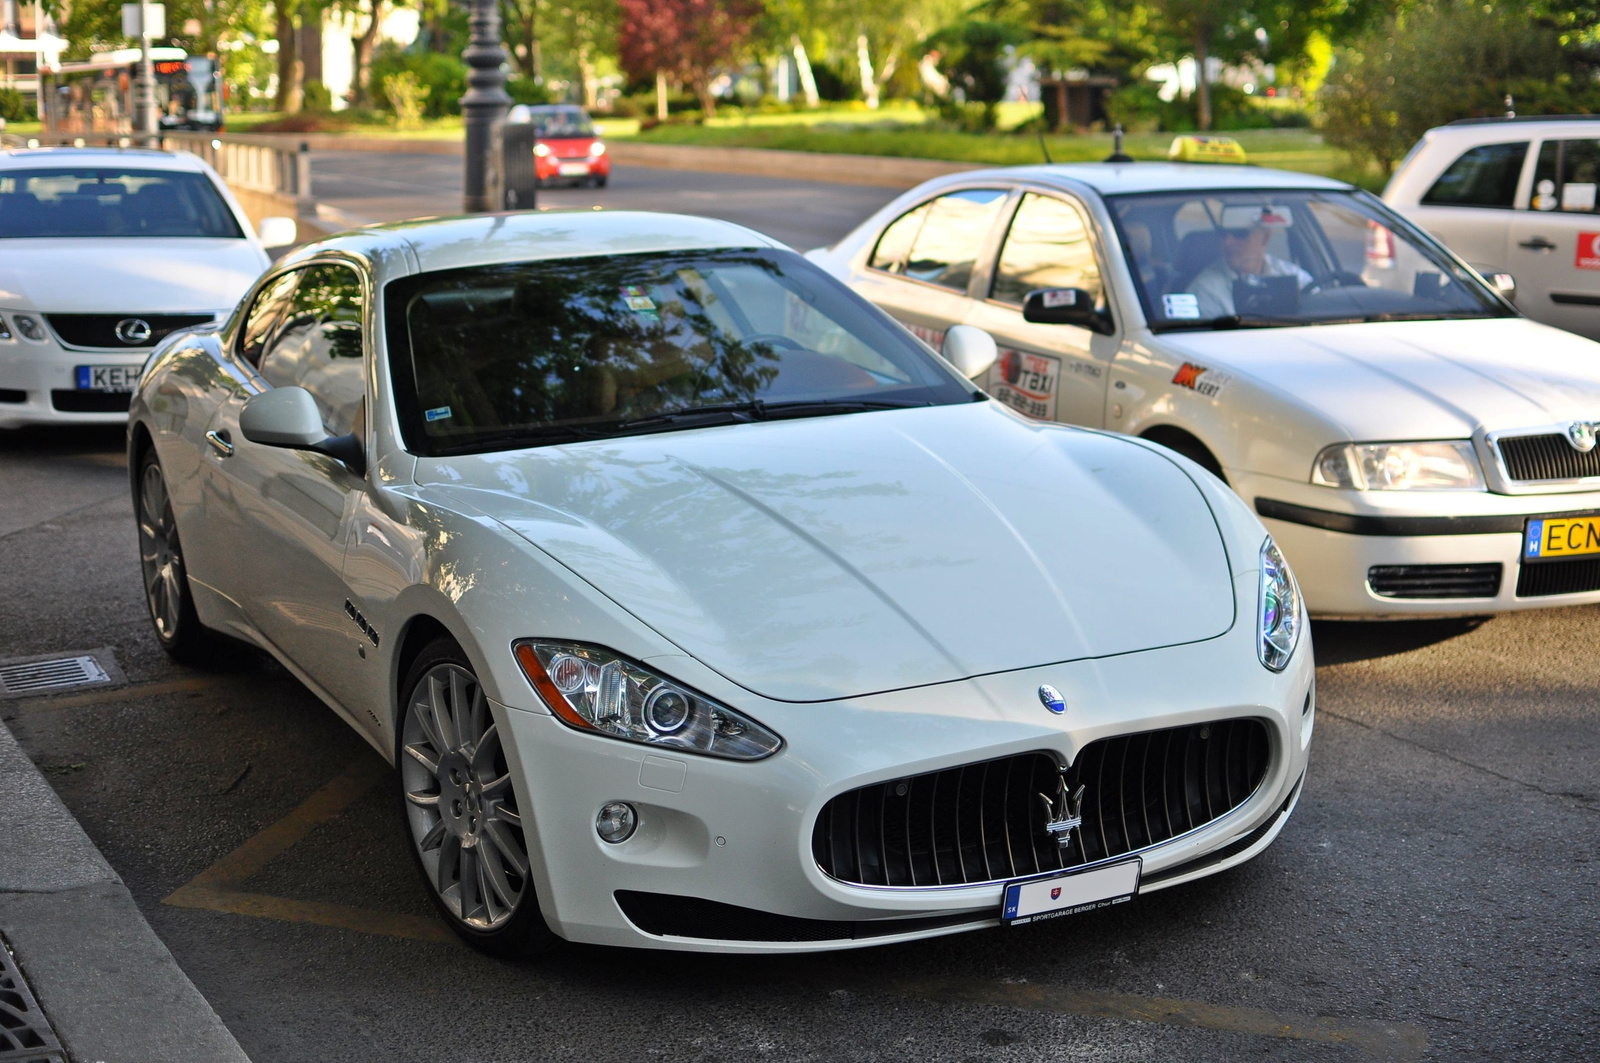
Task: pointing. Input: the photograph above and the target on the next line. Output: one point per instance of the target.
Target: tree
(684, 39)
(974, 53)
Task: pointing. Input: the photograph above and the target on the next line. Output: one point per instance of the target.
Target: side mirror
(970, 349)
(288, 417)
(1063, 306)
(277, 231)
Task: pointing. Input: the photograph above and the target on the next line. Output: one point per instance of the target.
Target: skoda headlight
(1448, 466)
(594, 690)
(1280, 613)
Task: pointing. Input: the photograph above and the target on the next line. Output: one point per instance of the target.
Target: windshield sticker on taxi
(1199, 379)
(1181, 305)
(1026, 382)
(438, 413)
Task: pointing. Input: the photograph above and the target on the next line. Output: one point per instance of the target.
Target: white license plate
(107, 377)
(573, 169)
(1071, 892)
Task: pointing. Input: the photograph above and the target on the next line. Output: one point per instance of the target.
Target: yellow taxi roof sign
(1205, 149)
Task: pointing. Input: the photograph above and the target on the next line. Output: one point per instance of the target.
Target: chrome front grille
(1546, 457)
(985, 822)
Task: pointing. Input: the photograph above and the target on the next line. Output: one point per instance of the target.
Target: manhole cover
(25, 1034)
(33, 676)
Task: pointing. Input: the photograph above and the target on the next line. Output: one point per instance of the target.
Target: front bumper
(1334, 545)
(548, 168)
(739, 834)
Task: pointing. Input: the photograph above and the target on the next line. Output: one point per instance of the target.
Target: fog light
(29, 327)
(616, 822)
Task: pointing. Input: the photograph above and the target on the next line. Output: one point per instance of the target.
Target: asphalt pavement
(1434, 897)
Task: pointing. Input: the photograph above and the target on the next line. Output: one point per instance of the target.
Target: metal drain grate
(25, 1034)
(44, 677)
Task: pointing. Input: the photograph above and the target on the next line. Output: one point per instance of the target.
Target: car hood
(1414, 379)
(90, 275)
(829, 557)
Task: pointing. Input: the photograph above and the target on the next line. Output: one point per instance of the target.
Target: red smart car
(568, 149)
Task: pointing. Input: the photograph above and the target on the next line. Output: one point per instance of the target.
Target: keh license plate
(1071, 892)
(573, 169)
(1556, 538)
(107, 377)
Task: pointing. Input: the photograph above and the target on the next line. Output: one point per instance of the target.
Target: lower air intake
(985, 822)
(1435, 581)
(1558, 577)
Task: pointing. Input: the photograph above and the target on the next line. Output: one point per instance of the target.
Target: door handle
(220, 443)
(1537, 243)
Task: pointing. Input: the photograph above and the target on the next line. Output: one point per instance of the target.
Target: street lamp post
(485, 102)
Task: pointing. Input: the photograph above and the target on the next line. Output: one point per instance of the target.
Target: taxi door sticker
(1026, 382)
(1588, 251)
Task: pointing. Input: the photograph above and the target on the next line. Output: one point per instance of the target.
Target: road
(1434, 896)
(369, 186)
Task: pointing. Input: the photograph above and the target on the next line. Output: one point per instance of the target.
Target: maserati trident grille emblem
(1581, 435)
(1063, 813)
(1051, 698)
(135, 330)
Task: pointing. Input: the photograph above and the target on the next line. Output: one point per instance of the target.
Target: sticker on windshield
(1588, 251)
(1181, 305)
(438, 413)
(1199, 379)
(636, 299)
(1026, 382)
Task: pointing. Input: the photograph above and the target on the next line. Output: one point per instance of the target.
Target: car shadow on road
(1346, 641)
(65, 439)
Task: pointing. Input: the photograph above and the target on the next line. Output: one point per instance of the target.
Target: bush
(317, 98)
(15, 107)
(443, 76)
(528, 91)
(407, 97)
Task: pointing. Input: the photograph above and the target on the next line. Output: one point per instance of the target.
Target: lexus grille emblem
(1051, 698)
(1581, 435)
(136, 330)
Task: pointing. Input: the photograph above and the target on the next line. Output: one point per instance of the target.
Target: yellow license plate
(1550, 538)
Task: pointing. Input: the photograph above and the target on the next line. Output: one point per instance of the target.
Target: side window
(1565, 176)
(1486, 176)
(895, 243)
(264, 315)
(1048, 246)
(318, 345)
(947, 247)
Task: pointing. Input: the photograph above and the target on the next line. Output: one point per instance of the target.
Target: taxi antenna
(1044, 147)
(1117, 154)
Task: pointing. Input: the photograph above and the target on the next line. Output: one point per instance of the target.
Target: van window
(1566, 175)
(1485, 176)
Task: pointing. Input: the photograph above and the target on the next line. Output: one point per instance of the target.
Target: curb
(107, 984)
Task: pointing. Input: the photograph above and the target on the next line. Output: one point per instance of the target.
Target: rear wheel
(456, 793)
(166, 579)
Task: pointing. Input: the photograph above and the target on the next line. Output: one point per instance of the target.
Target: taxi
(1415, 445)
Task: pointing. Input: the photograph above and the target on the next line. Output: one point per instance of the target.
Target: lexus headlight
(1450, 466)
(593, 690)
(1280, 613)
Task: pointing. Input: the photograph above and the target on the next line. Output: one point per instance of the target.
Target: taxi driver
(1243, 259)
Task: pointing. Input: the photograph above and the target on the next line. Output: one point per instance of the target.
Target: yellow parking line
(318, 913)
(1378, 1040)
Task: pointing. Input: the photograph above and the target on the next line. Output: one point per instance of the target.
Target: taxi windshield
(1243, 259)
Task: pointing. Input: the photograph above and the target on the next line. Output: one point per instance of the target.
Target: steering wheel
(784, 342)
(1337, 279)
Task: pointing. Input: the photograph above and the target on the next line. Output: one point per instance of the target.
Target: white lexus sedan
(1414, 444)
(699, 606)
(102, 253)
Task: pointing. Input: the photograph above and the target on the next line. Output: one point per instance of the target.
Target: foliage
(407, 97)
(526, 90)
(441, 79)
(318, 100)
(974, 58)
(686, 39)
(1440, 60)
(15, 107)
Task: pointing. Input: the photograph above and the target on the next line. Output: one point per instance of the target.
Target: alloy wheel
(459, 800)
(159, 554)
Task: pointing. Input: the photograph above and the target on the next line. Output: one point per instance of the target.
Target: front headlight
(597, 149)
(1280, 613)
(1447, 466)
(541, 150)
(594, 690)
(29, 326)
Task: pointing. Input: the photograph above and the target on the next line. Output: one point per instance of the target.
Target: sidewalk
(105, 982)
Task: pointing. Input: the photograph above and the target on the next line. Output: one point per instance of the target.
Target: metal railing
(253, 163)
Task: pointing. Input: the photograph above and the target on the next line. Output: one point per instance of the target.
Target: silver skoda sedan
(699, 606)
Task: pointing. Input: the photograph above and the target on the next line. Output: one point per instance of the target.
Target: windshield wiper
(533, 434)
(758, 410)
(1229, 321)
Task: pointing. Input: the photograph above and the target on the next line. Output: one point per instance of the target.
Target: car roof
(522, 236)
(141, 158)
(1494, 130)
(1121, 178)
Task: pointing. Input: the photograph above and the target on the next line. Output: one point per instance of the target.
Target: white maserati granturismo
(103, 252)
(700, 606)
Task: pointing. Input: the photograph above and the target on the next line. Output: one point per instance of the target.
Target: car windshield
(566, 122)
(111, 201)
(1240, 259)
(503, 356)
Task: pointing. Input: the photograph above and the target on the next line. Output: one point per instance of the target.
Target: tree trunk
(288, 97)
(702, 89)
(360, 85)
(661, 95)
(808, 83)
(1202, 81)
(869, 83)
(586, 75)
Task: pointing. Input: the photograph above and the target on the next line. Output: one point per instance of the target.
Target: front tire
(457, 798)
(166, 579)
